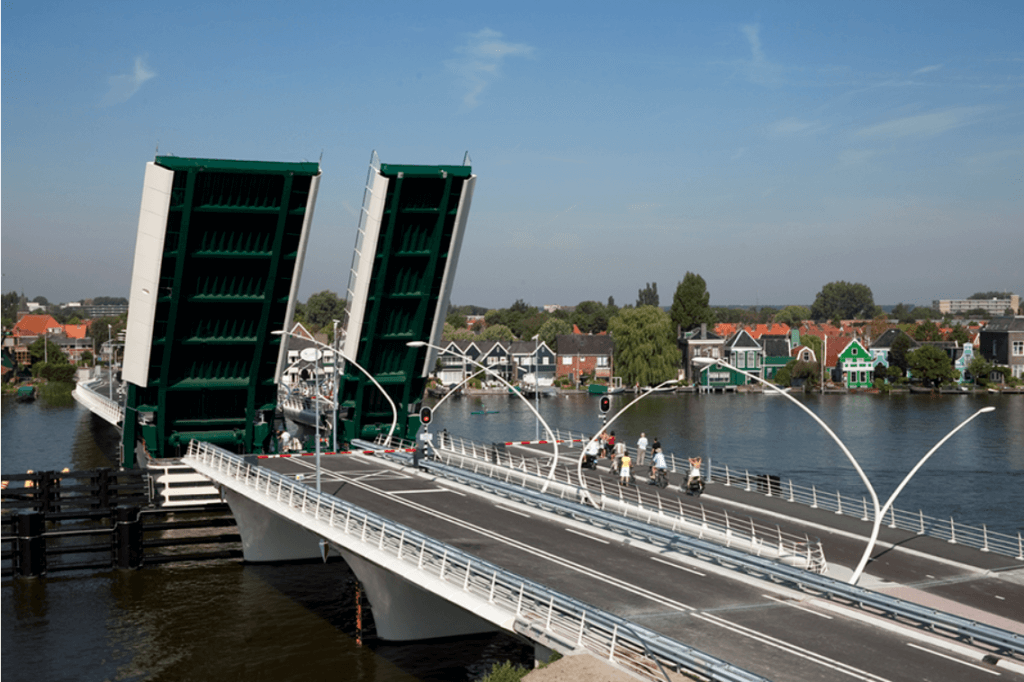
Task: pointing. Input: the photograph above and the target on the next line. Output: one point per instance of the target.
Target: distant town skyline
(770, 149)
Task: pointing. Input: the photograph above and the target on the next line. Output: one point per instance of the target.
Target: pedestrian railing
(544, 615)
(693, 519)
(99, 404)
(849, 505)
(998, 641)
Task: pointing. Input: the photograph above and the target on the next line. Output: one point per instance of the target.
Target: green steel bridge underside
(410, 234)
(217, 262)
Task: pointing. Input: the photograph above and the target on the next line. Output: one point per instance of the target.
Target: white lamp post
(860, 472)
(551, 434)
(313, 355)
(110, 364)
(536, 380)
(903, 484)
(334, 427)
(334, 386)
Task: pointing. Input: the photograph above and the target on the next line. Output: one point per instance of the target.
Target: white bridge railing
(920, 523)
(99, 404)
(544, 615)
(693, 519)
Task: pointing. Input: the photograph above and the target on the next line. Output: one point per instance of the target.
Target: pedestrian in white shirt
(641, 448)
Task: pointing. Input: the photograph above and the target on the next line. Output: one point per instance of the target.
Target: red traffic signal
(606, 403)
(426, 415)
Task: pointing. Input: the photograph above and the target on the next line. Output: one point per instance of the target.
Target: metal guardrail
(108, 409)
(958, 627)
(694, 519)
(561, 621)
(920, 523)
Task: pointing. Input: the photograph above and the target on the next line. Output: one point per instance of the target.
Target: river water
(227, 620)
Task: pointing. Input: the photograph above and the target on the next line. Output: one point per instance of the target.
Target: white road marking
(648, 594)
(589, 537)
(957, 660)
(512, 511)
(792, 649)
(797, 606)
(421, 490)
(679, 566)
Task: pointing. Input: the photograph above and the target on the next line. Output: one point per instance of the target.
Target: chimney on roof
(703, 330)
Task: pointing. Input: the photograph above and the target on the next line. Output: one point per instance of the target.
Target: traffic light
(426, 415)
(606, 404)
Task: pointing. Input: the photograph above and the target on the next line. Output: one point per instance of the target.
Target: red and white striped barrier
(343, 452)
(542, 442)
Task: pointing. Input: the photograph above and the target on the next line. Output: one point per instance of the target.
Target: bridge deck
(919, 568)
(758, 625)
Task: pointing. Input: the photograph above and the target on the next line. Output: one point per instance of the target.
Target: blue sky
(769, 147)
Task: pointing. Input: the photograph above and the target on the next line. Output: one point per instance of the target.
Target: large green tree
(98, 330)
(690, 303)
(497, 332)
(898, 353)
(980, 369)
(42, 349)
(553, 328)
(451, 333)
(793, 315)
(959, 334)
(843, 300)
(648, 295)
(322, 308)
(591, 317)
(931, 364)
(927, 331)
(645, 345)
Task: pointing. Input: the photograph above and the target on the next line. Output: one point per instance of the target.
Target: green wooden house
(858, 365)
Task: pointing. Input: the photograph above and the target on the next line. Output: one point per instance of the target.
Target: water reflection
(976, 476)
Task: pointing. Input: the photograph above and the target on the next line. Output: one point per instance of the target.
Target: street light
(313, 355)
(903, 484)
(874, 497)
(110, 364)
(334, 426)
(536, 379)
(551, 434)
(334, 385)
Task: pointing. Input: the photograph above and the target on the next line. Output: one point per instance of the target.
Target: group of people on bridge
(605, 445)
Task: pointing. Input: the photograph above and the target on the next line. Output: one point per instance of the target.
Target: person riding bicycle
(694, 475)
(658, 466)
(590, 452)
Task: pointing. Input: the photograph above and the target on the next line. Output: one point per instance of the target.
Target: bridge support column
(266, 536)
(403, 612)
(541, 654)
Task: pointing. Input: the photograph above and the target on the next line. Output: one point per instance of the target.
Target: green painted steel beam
(392, 170)
(176, 163)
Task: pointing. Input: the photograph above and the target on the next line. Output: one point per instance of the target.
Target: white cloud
(759, 69)
(927, 69)
(480, 64)
(924, 125)
(123, 86)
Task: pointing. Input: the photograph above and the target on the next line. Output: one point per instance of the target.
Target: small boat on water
(613, 386)
(25, 394)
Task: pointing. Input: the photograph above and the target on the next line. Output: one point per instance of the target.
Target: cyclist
(658, 466)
